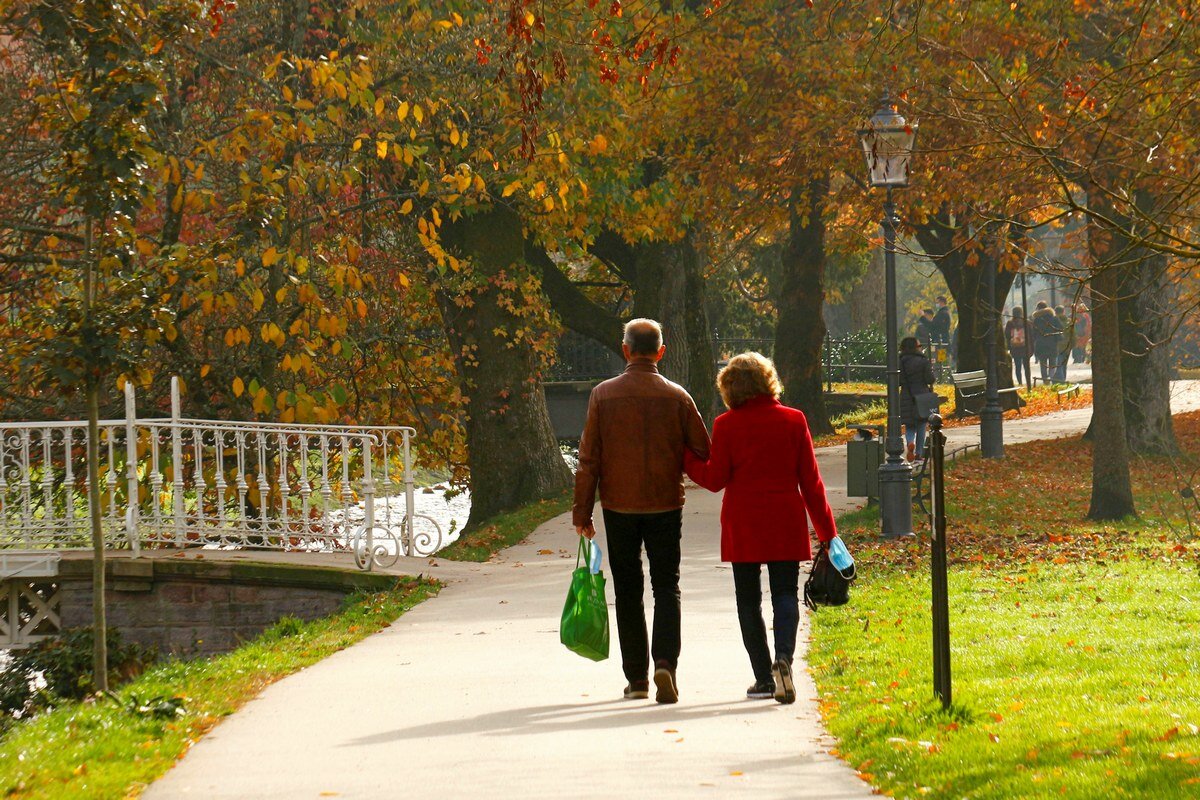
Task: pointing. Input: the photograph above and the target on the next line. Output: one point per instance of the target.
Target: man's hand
(588, 530)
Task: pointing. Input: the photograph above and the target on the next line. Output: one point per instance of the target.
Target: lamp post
(888, 145)
(991, 418)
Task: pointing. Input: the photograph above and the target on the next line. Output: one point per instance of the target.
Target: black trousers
(784, 577)
(659, 534)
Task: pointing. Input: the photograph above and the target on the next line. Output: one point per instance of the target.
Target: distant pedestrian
(1066, 342)
(942, 323)
(916, 378)
(762, 456)
(638, 426)
(1019, 335)
(925, 328)
(1048, 333)
(1083, 333)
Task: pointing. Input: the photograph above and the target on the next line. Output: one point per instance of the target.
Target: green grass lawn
(504, 530)
(1074, 645)
(100, 749)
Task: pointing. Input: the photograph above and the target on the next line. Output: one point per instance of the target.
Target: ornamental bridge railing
(181, 482)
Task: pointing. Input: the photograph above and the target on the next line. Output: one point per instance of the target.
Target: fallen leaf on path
(545, 552)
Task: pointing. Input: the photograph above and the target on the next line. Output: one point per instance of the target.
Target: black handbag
(927, 403)
(826, 585)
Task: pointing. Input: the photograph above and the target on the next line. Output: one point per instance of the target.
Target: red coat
(762, 456)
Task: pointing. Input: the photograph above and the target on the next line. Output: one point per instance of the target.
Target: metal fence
(180, 482)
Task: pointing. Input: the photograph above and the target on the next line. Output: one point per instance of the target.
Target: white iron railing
(181, 482)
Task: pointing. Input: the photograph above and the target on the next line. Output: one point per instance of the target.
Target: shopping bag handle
(584, 556)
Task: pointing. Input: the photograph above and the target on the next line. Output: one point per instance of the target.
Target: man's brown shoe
(637, 690)
(664, 680)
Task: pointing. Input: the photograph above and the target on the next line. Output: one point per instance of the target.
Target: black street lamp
(888, 145)
(991, 418)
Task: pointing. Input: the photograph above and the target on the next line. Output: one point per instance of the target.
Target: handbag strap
(808, 601)
(582, 555)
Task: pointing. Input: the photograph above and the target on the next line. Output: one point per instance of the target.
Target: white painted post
(368, 487)
(131, 477)
(410, 506)
(177, 461)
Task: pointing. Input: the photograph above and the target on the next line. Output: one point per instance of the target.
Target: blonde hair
(747, 376)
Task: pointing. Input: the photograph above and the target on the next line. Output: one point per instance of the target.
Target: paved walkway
(470, 694)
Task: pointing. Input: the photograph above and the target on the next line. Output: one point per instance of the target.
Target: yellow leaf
(270, 257)
(458, 20)
(598, 145)
(402, 111)
(357, 145)
(238, 387)
(381, 148)
(512, 187)
(406, 207)
(281, 294)
(177, 200)
(204, 370)
(379, 107)
(454, 137)
(418, 113)
(257, 299)
(52, 242)
(530, 18)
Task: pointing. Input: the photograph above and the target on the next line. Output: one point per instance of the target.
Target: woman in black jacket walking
(916, 378)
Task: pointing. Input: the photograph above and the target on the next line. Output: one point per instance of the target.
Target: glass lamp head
(887, 144)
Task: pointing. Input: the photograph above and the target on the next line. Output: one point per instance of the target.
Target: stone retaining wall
(189, 607)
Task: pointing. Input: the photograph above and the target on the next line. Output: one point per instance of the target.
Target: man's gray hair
(643, 337)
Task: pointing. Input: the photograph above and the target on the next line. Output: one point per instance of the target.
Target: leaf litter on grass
(1070, 640)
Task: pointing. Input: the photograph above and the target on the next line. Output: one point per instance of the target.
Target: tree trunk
(800, 329)
(99, 617)
(968, 286)
(1112, 491)
(668, 286)
(869, 296)
(1145, 321)
(511, 450)
(978, 317)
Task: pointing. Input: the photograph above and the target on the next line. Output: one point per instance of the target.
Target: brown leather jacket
(638, 424)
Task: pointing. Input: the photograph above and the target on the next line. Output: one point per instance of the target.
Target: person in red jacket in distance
(762, 456)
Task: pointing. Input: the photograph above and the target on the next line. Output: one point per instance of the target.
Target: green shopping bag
(584, 627)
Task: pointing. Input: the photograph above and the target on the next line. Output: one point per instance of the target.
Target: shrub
(60, 669)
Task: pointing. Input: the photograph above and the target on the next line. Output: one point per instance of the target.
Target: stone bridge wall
(189, 607)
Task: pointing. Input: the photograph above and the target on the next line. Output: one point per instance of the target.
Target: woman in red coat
(762, 456)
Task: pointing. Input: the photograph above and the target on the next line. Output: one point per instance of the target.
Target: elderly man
(638, 425)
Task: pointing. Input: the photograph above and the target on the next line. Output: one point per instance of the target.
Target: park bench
(1068, 391)
(973, 385)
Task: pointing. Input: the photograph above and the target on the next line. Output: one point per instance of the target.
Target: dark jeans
(784, 577)
(1021, 367)
(660, 534)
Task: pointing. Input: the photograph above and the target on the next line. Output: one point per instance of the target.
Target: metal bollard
(941, 601)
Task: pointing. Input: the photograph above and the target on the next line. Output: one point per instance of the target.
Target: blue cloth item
(839, 555)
